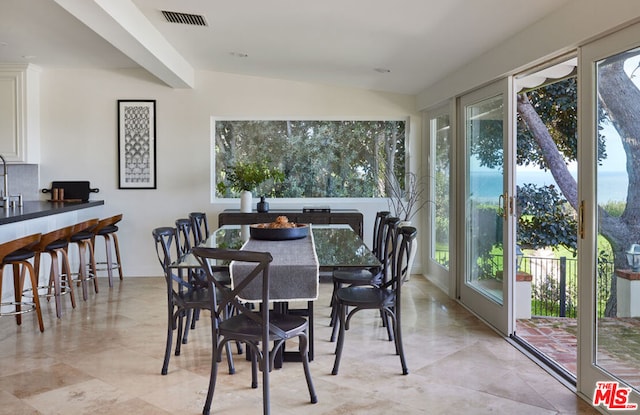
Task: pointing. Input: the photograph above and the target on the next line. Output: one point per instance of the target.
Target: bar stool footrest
(64, 289)
(28, 307)
(75, 277)
(106, 267)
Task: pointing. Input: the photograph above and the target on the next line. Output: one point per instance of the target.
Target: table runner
(293, 272)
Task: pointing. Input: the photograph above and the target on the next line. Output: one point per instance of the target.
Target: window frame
(214, 198)
(439, 274)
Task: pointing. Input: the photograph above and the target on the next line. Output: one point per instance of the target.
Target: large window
(320, 159)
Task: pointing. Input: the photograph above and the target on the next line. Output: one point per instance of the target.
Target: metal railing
(554, 287)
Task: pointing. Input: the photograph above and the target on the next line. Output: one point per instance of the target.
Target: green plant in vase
(244, 177)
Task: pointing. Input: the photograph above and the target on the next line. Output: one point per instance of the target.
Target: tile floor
(105, 356)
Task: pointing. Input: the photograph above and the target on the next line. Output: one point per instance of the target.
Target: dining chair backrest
(406, 236)
(200, 227)
(389, 246)
(215, 261)
(166, 241)
(168, 251)
(378, 233)
(185, 236)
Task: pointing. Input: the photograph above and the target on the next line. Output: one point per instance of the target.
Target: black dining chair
(359, 277)
(200, 227)
(387, 297)
(187, 239)
(257, 327)
(191, 232)
(182, 296)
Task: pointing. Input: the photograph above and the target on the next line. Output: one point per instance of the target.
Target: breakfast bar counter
(44, 216)
(39, 209)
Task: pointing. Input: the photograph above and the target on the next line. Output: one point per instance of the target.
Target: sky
(616, 160)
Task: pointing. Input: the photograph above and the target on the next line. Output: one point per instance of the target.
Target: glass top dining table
(337, 246)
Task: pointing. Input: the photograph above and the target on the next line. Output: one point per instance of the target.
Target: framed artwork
(137, 144)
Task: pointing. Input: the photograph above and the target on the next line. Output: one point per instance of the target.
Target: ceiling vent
(184, 18)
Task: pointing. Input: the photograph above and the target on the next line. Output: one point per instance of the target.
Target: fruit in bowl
(279, 230)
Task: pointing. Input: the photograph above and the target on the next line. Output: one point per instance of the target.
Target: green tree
(319, 158)
(547, 138)
(545, 218)
(619, 103)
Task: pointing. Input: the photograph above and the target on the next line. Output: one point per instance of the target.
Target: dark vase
(262, 205)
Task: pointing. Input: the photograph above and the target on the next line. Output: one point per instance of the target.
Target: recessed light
(382, 70)
(239, 54)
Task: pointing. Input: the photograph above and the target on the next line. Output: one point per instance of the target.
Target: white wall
(571, 26)
(79, 140)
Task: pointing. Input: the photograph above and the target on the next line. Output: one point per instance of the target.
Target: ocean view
(612, 186)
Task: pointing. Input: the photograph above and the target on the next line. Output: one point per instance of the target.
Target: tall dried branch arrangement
(406, 202)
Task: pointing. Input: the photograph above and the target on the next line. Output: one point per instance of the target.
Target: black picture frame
(136, 144)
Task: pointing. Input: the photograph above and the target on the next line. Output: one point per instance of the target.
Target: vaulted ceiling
(398, 46)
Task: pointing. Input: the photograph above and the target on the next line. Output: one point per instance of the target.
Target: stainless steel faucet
(4, 197)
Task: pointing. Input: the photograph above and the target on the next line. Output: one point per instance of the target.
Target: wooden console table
(349, 217)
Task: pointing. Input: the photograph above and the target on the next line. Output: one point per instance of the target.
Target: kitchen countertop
(38, 209)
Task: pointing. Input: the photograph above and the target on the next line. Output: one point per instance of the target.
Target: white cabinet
(20, 113)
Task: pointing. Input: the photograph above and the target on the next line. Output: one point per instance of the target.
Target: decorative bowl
(260, 231)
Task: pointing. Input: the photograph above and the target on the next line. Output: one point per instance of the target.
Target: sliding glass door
(609, 339)
(487, 193)
(439, 156)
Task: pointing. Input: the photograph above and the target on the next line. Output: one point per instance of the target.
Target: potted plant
(244, 177)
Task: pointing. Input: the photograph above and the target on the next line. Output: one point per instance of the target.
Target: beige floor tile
(13, 405)
(105, 356)
(82, 398)
(36, 381)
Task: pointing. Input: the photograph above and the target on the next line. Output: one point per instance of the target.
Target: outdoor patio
(618, 339)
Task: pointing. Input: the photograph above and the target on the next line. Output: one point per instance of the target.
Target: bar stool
(107, 229)
(16, 253)
(55, 244)
(81, 236)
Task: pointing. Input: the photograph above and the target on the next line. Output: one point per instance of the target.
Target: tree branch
(551, 154)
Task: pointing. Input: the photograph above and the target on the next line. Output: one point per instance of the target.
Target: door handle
(581, 219)
(502, 207)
